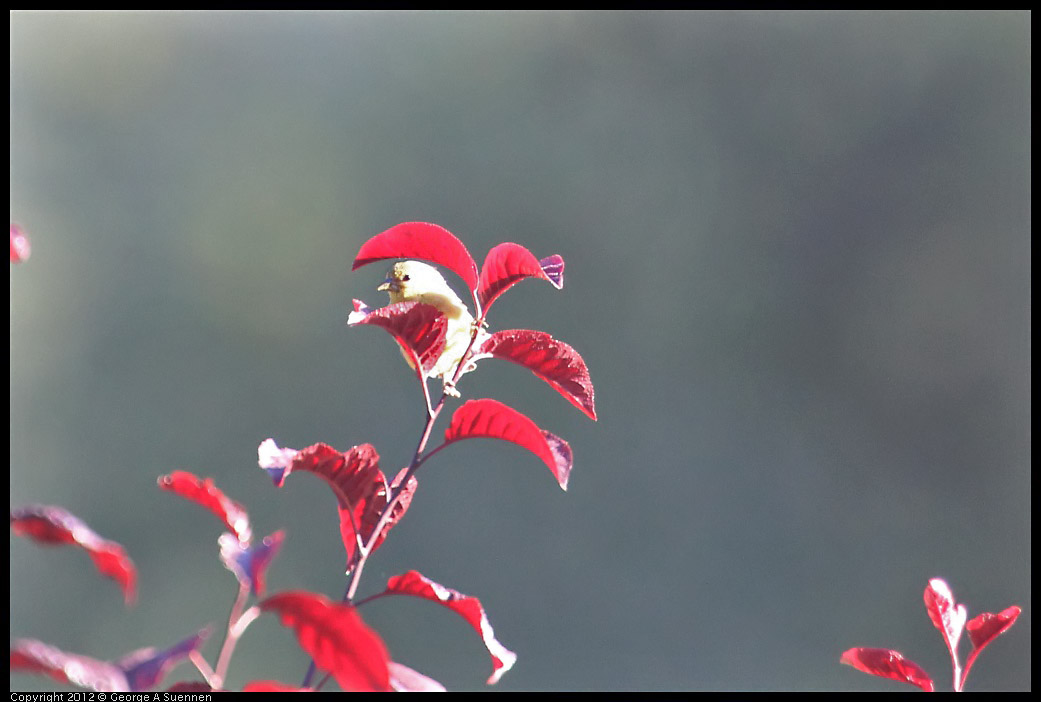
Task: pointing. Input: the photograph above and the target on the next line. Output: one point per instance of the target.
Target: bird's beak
(391, 285)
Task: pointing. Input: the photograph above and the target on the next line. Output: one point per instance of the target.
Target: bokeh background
(798, 267)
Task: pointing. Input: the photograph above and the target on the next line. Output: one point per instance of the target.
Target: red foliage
(422, 240)
(986, 627)
(54, 526)
(504, 266)
(205, 493)
(493, 420)
(554, 361)
(360, 487)
(36, 657)
(946, 616)
(418, 328)
(983, 629)
(469, 608)
(146, 667)
(949, 617)
(507, 264)
(333, 634)
(134, 672)
(336, 638)
(886, 663)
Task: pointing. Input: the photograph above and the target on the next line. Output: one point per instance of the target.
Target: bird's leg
(449, 388)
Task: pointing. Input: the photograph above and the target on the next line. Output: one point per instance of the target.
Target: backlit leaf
(507, 264)
(946, 615)
(491, 419)
(422, 240)
(418, 328)
(205, 493)
(135, 672)
(31, 656)
(354, 476)
(146, 667)
(983, 629)
(887, 663)
(469, 608)
(336, 638)
(554, 361)
(55, 526)
(986, 627)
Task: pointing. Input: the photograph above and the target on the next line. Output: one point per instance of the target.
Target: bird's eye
(404, 278)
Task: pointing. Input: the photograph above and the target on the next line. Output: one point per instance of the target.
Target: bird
(414, 281)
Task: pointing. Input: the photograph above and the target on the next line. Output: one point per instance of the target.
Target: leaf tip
(562, 456)
(553, 267)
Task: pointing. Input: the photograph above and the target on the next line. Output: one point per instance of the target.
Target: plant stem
(203, 667)
(397, 490)
(231, 636)
(413, 466)
(395, 495)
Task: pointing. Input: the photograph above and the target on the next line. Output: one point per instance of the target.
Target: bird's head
(407, 280)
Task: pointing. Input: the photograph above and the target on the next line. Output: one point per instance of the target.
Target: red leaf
(886, 663)
(469, 608)
(51, 526)
(985, 628)
(205, 493)
(507, 264)
(31, 656)
(554, 361)
(418, 328)
(112, 561)
(144, 668)
(946, 616)
(20, 248)
(135, 672)
(355, 478)
(54, 526)
(249, 563)
(491, 419)
(421, 240)
(335, 636)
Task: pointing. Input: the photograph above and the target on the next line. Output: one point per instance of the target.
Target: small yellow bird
(413, 281)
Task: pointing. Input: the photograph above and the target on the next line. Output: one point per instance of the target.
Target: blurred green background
(798, 267)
